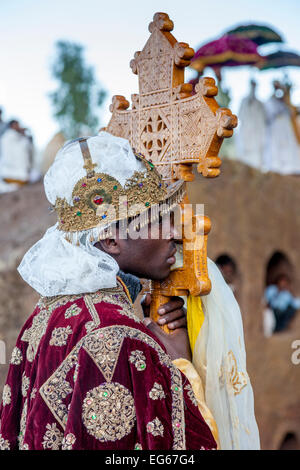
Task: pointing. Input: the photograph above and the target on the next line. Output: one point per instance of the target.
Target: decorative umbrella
(260, 34)
(229, 51)
(279, 59)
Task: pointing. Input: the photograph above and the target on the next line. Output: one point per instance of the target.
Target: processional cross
(174, 127)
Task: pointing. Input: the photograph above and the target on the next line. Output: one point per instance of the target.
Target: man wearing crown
(86, 372)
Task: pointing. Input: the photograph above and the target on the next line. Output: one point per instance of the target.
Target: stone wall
(25, 216)
(253, 215)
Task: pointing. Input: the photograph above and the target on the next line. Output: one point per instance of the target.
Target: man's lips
(171, 260)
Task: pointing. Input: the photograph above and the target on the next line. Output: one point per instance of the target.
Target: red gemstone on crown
(98, 200)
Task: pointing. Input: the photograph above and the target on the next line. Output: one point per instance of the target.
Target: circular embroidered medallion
(108, 412)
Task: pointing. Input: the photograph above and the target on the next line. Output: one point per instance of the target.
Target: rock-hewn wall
(253, 215)
(25, 217)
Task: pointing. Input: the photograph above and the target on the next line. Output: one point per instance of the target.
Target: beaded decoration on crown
(99, 200)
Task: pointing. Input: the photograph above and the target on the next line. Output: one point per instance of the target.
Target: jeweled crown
(99, 199)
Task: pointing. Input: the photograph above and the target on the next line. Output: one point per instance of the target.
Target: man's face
(228, 272)
(284, 284)
(148, 253)
(16, 126)
(150, 256)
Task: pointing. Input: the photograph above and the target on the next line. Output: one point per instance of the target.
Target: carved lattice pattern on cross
(167, 122)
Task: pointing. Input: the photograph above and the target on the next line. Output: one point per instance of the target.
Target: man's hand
(172, 313)
(176, 343)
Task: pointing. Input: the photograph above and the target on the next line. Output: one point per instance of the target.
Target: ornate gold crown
(100, 200)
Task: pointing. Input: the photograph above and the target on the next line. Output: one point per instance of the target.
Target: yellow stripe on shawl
(195, 318)
(193, 377)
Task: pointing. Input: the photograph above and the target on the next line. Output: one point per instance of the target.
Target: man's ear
(109, 245)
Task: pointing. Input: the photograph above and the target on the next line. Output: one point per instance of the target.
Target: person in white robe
(282, 151)
(250, 136)
(3, 127)
(16, 155)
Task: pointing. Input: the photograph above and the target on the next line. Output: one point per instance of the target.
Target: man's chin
(161, 275)
(154, 275)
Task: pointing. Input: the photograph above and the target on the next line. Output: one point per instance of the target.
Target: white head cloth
(53, 266)
(220, 359)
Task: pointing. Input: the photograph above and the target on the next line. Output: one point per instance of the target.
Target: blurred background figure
(269, 321)
(282, 150)
(228, 269)
(250, 138)
(281, 301)
(3, 126)
(16, 155)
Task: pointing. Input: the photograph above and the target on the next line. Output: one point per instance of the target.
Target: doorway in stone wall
(278, 264)
(289, 442)
(278, 310)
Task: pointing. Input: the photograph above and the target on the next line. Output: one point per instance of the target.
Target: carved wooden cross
(175, 127)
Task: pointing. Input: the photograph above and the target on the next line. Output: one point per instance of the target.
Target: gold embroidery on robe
(117, 297)
(104, 348)
(39, 325)
(157, 392)
(25, 385)
(108, 412)
(95, 322)
(59, 336)
(53, 437)
(155, 428)
(138, 359)
(191, 394)
(16, 356)
(34, 334)
(51, 303)
(23, 426)
(6, 395)
(56, 388)
(72, 311)
(68, 442)
(4, 444)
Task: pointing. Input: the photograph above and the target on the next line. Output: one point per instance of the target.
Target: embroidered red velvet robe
(87, 374)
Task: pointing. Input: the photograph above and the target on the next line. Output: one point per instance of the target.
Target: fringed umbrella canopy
(229, 51)
(260, 34)
(279, 59)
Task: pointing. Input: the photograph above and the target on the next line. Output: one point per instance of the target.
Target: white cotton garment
(54, 266)
(15, 156)
(251, 133)
(220, 359)
(282, 151)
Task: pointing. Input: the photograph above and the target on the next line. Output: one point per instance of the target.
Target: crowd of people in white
(267, 138)
(268, 135)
